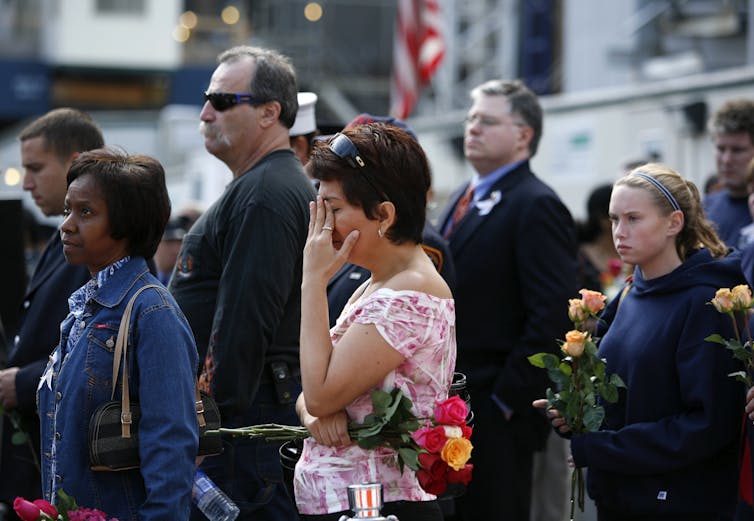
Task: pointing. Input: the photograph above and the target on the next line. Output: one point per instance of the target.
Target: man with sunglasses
(514, 248)
(238, 275)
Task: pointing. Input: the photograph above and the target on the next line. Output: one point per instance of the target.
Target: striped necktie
(462, 206)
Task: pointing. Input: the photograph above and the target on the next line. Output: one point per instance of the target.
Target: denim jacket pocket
(99, 357)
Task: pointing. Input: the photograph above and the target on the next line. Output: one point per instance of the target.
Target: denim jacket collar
(120, 283)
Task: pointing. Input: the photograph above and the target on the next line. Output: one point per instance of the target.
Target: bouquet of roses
(736, 303)
(437, 449)
(580, 377)
(67, 510)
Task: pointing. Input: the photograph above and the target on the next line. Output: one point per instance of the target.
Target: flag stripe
(418, 50)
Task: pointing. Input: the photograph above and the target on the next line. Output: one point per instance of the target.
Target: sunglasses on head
(344, 148)
(222, 101)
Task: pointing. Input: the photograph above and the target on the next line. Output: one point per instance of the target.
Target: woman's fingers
(556, 419)
(312, 216)
(348, 244)
(320, 215)
(329, 221)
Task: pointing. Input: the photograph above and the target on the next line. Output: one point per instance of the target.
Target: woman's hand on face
(321, 259)
(329, 430)
(553, 415)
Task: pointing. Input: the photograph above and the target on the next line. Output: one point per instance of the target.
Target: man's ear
(270, 113)
(526, 135)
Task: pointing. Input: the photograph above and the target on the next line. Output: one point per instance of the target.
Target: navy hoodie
(670, 445)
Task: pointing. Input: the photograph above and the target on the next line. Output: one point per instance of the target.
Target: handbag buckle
(200, 407)
(125, 417)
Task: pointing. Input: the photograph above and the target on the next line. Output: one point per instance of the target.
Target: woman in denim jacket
(116, 209)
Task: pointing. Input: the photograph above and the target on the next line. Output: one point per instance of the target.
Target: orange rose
(723, 300)
(574, 344)
(576, 311)
(456, 452)
(741, 297)
(594, 301)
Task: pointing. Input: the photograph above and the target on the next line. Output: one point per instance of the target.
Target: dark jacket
(670, 444)
(238, 278)
(44, 307)
(516, 268)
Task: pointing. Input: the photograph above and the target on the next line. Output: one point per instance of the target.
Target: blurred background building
(619, 80)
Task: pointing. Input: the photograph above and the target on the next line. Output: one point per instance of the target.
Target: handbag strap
(121, 351)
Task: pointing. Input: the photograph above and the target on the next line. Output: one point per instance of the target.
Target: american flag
(417, 52)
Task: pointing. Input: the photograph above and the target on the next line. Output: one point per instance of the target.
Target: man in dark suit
(514, 247)
(48, 146)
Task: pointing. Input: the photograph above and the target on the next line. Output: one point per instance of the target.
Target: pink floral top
(419, 326)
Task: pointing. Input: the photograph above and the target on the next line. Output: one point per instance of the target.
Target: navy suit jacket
(44, 307)
(515, 259)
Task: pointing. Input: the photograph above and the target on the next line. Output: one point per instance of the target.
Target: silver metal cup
(365, 500)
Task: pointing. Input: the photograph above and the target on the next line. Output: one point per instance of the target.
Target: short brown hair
(733, 117)
(66, 131)
(396, 169)
(138, 205)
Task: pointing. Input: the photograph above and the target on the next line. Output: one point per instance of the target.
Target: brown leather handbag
(114, 426)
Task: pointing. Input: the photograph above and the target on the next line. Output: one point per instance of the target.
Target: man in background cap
(167, 251)
(304, 129)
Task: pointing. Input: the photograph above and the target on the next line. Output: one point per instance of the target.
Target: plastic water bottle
(213, 502)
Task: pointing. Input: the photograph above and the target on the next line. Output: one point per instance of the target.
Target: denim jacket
(162, 361)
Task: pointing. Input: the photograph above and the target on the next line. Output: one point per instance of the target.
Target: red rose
(432, 473)
(430, 484)
(461, 476)
(47, 508)
(452, 411)
(433, 439)
(467, 431)
(26, 510)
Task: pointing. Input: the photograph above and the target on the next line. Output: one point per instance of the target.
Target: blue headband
(661, 187)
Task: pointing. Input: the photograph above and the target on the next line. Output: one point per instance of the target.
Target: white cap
(305, 122)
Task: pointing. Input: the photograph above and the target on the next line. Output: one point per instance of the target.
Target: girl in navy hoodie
(668, 449)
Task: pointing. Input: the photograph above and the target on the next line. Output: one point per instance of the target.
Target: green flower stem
(579, 419)
(735, 325)
(749, 361)
(577, 491)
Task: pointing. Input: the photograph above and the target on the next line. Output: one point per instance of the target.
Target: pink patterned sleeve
(406, 320)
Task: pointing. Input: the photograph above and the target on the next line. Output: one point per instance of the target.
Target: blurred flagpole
(418, 49)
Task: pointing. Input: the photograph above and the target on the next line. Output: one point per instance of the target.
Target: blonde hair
(697, 231)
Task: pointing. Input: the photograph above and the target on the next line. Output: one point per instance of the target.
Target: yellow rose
(741, 297)
(723, 300)
(576, 310)
(594, 301)
(456, 452)
(574, 344)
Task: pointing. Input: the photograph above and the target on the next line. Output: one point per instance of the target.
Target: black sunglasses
(344, 148)
(222, 101)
